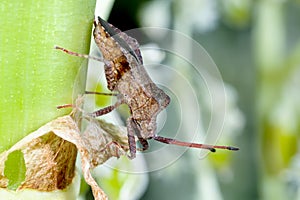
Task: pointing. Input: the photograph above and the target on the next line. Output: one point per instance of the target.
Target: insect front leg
(78, 54)
(131, 137)
(101, 93)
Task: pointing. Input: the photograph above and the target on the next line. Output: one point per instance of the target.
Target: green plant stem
(34, 77)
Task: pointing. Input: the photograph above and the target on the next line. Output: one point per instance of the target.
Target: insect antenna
(78, 54)
(212, 148)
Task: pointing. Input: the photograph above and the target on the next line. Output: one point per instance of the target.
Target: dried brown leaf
(45, 157)
(50, 152)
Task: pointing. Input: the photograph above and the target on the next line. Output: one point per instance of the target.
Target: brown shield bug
(127, 77)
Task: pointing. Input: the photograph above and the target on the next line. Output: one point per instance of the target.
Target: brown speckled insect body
(126, 76)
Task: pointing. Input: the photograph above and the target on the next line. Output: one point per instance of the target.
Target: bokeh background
(256, 46)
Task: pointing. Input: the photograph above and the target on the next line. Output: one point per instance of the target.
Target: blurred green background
(256, 46)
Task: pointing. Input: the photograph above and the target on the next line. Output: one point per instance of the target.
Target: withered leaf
(47, 152)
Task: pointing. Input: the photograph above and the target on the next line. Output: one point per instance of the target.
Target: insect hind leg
(212, 148)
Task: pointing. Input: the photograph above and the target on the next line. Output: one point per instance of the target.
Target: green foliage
(16, 176)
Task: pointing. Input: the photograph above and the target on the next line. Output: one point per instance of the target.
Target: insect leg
(78, 54)
(131, 138)
(74, 106)
(66, 106)
(144, 143)
(212, 148)
(101, 93)
(105, 110)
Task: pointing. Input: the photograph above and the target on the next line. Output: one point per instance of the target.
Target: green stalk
(34, 77)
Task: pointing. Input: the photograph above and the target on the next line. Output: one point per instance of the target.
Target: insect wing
(127, 43)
